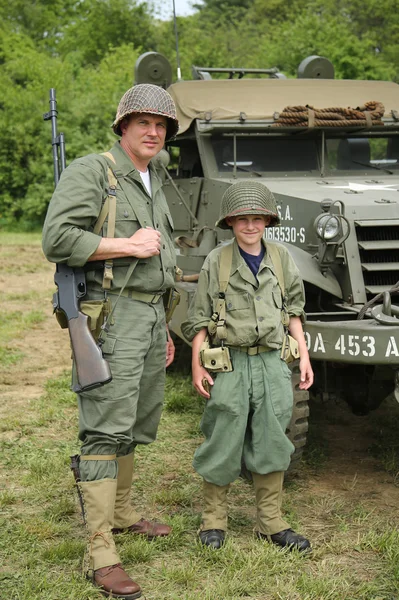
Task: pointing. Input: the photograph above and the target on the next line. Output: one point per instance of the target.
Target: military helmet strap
(217, 324)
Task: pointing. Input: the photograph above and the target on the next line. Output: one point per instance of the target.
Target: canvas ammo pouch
(289, 350)
(170, 300)
(217, 359)
(96, 310)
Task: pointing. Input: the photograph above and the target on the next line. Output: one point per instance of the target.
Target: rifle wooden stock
(91, 368)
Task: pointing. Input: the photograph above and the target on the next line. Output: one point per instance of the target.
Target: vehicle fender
(310, 271)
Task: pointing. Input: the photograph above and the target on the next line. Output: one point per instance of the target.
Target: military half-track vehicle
(336, 182)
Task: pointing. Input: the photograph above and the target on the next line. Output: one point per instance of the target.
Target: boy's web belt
(252, 350)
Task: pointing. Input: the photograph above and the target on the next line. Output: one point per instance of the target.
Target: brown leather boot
(150, 529)
(102, 564)
(114, 580)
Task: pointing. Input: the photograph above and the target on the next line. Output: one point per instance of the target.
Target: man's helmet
(147, 98)
(247, 198)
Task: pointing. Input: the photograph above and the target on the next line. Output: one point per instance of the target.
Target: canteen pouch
(170, 300)
(290, 349)
(215, 360)
(97, 311)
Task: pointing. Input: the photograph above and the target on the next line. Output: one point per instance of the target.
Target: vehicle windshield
(302, 155)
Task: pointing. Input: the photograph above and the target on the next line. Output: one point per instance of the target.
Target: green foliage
(87, 50)
(100, 26)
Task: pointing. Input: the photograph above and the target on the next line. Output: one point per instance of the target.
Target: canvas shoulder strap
(278, 268)
(108, 210)
(217, 324)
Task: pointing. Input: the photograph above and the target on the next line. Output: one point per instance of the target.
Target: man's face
(143, 136)
(248, 229)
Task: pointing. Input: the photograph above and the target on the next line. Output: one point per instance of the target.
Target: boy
(250, 407)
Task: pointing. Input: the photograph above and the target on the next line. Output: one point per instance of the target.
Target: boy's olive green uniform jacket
(253, 306)
(74, 209)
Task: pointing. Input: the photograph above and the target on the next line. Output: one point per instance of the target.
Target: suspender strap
(278, 267)
(108, 210)
(217, 324)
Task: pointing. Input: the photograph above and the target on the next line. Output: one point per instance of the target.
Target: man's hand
(170, 349)
(145, 243)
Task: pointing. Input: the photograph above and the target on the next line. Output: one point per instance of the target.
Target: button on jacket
(74, 209)
(253, 304)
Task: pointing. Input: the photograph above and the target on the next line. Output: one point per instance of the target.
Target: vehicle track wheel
(298, 427)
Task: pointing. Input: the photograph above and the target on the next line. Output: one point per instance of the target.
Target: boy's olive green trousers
(246, 417)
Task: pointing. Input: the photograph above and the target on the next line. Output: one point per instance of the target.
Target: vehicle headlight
(327, 227)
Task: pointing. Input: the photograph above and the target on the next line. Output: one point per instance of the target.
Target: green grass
(42, 540)
(13, 325)
(10, 238)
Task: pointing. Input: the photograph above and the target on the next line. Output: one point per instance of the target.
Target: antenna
(177, 43)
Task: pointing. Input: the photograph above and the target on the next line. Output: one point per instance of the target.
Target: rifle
(92, 369)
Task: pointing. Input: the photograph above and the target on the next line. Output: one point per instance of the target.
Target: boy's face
(248, 229)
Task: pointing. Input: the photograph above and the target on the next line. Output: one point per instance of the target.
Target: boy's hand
(200, 376)
(306, 373)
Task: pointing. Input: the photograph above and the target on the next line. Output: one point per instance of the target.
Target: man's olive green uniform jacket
(76, 204)
(250, 407)
(126, 411)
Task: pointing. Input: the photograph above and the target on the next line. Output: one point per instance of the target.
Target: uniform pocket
(126, 220)
(277, 299)
(237, 302)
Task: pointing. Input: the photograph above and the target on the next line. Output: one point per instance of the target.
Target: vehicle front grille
(378, 243)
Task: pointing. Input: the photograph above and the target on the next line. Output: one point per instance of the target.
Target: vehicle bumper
(356, 342)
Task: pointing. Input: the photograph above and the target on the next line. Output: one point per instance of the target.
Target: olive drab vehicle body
(337, 190)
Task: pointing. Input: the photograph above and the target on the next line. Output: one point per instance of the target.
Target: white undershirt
(145, 176)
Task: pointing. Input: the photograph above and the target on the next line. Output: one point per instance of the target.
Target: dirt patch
(351, 472)
(44, 347)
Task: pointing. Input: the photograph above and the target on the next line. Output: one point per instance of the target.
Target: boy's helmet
(151, 99)
(247, 198)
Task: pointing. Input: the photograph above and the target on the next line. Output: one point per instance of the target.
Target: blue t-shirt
(252, 261)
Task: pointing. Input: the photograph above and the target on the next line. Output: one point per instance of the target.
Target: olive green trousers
(247, 416)
(116, 417)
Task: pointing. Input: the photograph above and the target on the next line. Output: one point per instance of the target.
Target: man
(248, 407)
(115, 418)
